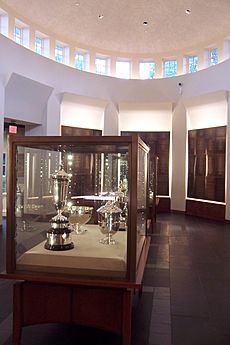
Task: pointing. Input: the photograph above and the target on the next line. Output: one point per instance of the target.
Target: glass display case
(77, 207)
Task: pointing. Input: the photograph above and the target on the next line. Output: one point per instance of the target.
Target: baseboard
(177, 212)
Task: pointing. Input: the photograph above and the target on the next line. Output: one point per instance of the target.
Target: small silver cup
(109, 221)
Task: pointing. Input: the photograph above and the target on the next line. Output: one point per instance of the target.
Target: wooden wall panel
(205, 209)
(206, 166)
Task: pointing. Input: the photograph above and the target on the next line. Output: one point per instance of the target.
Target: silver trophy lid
(109, 207)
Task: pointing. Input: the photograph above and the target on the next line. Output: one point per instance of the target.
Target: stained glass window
(18, 35)
(192, 63)
(170, 68)
(59, 54)
(38, 45)
(213, 56)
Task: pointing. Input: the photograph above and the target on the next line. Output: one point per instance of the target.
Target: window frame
(106, 65)
(192, 57)
(147, 62)
(129, 70)
(165, 61)
(85, 60)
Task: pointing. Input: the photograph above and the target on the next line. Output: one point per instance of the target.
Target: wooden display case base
(106, 305)
(104, 308)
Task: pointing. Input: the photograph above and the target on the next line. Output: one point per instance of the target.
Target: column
(71, 56)
(111, 120)
(135, 68)
(32, 38)
(180, 65)
(92, 61)
(178, 157)
(220, 47)
(52, 47)
(53, 115)
(51, 122)
(202, 59)
(11, 24)
(113, 66)
(158, 67)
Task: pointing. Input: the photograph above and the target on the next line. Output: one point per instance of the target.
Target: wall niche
(159, 143)
(206, 163)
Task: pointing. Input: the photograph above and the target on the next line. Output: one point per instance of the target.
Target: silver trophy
(59, 235)
(109, 221)
(79, 215)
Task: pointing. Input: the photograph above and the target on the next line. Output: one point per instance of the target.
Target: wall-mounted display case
(77, 207)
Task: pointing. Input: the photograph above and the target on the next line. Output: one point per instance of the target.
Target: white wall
(209, 110)
(178, 157)
(81, 111)
(143, 116)
(154, 97)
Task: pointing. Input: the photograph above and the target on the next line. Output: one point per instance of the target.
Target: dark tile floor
(186, 294)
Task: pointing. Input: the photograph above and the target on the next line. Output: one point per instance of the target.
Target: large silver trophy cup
(59, 235)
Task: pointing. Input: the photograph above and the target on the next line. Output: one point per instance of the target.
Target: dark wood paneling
(72, 131)
(105, 308)
(163, 205)
(97, 307)
(206, 165)
(46, 303)
(205, 209)
(84, 166)
(159, 143)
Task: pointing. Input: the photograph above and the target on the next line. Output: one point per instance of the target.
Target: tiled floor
(186, 294)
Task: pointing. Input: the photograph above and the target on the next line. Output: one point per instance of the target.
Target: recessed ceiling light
(188, 11)
(145, 23)
(77, 4)
(101, 16)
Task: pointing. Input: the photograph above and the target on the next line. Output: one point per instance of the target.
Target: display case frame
(134, 270)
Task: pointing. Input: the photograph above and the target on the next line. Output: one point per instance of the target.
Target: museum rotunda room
(115, 184)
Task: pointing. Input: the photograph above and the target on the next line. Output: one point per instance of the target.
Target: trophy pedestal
(58, 237)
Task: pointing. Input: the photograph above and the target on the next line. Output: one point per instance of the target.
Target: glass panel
(193, 63)
(213, 56)
(101, 66)
(141, 199)
(61, 195)
(18, 35)
(59, 55)
(170, 68)
(38, 45)
(123, 69)
(79, 61)
(147, 70)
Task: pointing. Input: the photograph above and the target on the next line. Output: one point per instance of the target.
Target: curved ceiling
(169, 28)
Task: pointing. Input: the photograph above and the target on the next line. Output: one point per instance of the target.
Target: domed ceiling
(130, 26)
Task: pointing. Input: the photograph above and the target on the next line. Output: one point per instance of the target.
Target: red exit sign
(13, 129)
